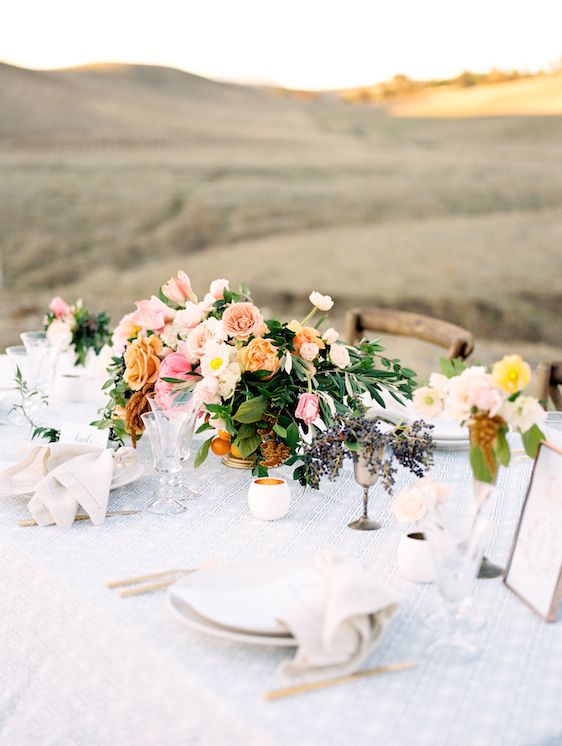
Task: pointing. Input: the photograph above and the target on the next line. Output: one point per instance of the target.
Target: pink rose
(152, 314)
(241, 320)
(189, 317)
(178, 289)
(217, 288)
(174, 365)
(59, 307)
(308, 408)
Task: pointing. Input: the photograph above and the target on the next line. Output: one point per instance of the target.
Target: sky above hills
(295, 43)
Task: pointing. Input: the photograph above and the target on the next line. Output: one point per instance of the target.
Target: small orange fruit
(235, 452)
(220, 447)
(223, 435)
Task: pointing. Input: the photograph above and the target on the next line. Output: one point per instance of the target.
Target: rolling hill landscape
(448, 201)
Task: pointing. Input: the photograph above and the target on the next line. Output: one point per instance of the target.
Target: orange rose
(308, 334)
(260, 354)
(142, 362)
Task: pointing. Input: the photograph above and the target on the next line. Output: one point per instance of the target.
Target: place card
(75, 432)
(534, 569)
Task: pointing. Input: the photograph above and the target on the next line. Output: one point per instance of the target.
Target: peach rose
(241, 320)
(142, 362)
(260, 354)
(308, 335)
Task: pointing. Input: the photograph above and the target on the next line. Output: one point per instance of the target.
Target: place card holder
(75, 432)
(534, 568)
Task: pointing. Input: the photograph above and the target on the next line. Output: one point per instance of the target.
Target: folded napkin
(63, 476)
(338, 627)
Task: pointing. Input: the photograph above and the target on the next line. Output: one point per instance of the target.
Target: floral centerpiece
(76, 328)
(261, 385)
(490, 401)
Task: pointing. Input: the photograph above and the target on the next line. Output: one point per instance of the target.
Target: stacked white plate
(242, 602)
(447, 434)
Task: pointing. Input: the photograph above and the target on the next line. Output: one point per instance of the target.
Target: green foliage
(202, 453)
(480, 467)
(531, 440)
(452, 368)
(90, 331)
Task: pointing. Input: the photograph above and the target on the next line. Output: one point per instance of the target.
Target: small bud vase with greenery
(490, 402)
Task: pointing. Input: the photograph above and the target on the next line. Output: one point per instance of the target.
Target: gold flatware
(138, 590)
(24, 522)
(290, 691)
(160, 580)
(145, 578)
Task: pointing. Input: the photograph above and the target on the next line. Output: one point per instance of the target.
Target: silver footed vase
(366, 479)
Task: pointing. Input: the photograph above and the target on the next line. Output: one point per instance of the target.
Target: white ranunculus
(339, 355)
(229, 379)
(59, 334)
(428, 401)
(330, 336)
(309, 351)
(522, 413)
(322, 302)
(413, 503)
(440, 382)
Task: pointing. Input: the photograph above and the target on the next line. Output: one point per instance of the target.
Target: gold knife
(290, 691)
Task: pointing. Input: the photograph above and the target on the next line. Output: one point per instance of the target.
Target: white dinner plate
(451, 445)
(248, 598)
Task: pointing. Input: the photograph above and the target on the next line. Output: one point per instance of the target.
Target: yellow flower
(294, 326)
(511, 373)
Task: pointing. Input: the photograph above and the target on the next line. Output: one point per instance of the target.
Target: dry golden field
(112, 177)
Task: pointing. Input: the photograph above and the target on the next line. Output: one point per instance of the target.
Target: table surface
(82, 666)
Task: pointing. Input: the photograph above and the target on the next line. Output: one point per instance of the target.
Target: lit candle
(268, 498)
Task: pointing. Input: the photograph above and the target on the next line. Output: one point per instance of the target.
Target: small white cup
(71, 387)
(268, 498)
(415, 560)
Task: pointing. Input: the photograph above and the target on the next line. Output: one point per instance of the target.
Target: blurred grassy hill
(112, 176)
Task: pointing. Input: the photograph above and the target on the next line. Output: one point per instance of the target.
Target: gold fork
(154, 581)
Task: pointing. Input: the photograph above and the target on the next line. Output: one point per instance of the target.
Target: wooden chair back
(549, 383)
(458, 342)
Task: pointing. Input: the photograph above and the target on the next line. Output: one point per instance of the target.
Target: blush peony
(178, 289)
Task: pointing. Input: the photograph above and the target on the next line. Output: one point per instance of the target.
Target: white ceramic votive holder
(415, 560)
(71, 387)
(268, 498)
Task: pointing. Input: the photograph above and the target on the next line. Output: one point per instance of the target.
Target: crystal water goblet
(177, 406)
(166, 435)
(457, 537)
(42, 358)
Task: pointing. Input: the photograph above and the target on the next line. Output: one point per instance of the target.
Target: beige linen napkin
(63, 476)
(337, 628)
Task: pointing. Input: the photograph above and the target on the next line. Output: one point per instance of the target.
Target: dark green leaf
(531, 440)
(251, 410)
(202, 453)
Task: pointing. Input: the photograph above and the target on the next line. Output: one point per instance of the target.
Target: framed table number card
(534, 570)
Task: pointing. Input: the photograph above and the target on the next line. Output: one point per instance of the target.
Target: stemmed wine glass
(166, 435)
